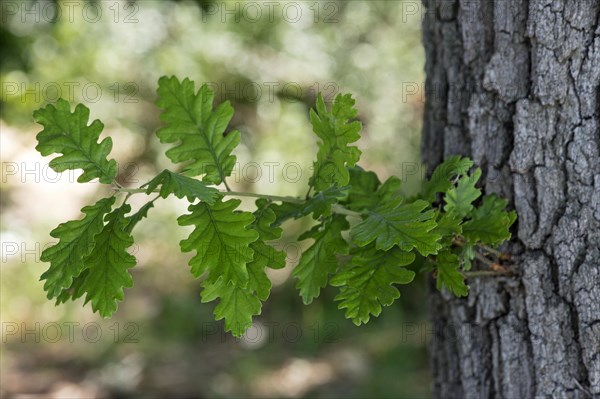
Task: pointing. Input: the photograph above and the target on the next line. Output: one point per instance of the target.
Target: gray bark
(515, 85)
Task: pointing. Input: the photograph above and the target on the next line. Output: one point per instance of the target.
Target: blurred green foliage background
(269, 59)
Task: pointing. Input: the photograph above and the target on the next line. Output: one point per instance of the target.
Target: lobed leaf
(459, 200)
(448, 226)
(107, 266)
(442, 176)
(363, 188)
(286, 211)
(264, 256)
(264, 224)
(489, 223)
(68, 134)
(319, 260)
(389, 190)
(265, 219)
(239, 303)
(221, 239)
(336, 132)
(142, 213)
(320, 204)
(182, 186)
(448, 275)
(393, 222)
(74, 291)
(196, 129)
(76, 242)
(368, 283)
(236, 305)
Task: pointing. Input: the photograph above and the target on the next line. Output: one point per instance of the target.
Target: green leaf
(286, 211)
(264, 225)
(489, 223)
(74, 291)
(441, 179)
(460, 198)
(232, 248)
(448, 275)
(68, 134)
(265, 219)
(76, 242)
(321, 203)
(264, 255)
(448, 226)
(363, 186)
(221, 239)
(396, 223)
(368, 283)
(336, 132)
(367, 196)
(182, 186)
(196, 129)
(239, 300)
(267, 255)
(389, 190)
(320, 258)
(108, 264)
(138, 216)
(466, 254)
(236, 305)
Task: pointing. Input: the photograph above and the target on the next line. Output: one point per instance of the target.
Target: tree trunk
(515, 84)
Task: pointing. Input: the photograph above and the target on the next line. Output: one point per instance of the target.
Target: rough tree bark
(515, 84)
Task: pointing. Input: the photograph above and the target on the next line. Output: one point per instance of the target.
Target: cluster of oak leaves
(367, 237)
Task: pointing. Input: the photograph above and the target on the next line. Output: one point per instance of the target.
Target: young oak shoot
(390, 237)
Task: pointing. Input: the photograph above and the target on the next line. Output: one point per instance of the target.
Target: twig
(485, 260)
(491, 250)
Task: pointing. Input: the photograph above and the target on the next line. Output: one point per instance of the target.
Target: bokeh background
(269, 59)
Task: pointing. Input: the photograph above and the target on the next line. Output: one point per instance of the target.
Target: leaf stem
(266, 196)
(155, 198)
(336, 208)
(228, 193)
(307, 196)
(133, 190)
(343, 211)
(126, 198)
